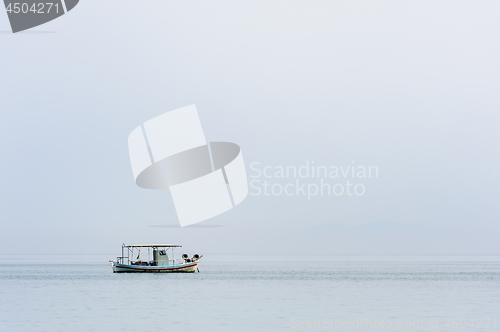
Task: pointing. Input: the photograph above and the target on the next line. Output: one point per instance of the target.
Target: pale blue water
(257, 293)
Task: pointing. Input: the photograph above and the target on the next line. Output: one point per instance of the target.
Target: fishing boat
(154, 259)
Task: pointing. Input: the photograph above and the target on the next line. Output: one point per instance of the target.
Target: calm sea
(253, 293)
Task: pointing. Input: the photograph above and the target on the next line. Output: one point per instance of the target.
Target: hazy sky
(411, 87)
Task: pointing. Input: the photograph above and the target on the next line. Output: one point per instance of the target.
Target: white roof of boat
(155, 245)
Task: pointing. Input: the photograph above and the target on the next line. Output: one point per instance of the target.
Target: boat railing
(120, 259)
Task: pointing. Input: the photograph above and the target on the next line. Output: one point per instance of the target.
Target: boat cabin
(148, 254)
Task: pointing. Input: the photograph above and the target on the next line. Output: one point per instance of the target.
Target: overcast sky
(411, 87)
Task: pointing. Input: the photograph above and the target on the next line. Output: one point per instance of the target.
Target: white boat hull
(176, 268)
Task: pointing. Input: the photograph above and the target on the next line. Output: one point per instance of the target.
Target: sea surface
(253, 293)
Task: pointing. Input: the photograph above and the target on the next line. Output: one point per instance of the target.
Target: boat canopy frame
(153, 246)
(130, 252)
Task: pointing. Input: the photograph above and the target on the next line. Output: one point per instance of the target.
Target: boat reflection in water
(157, 260)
